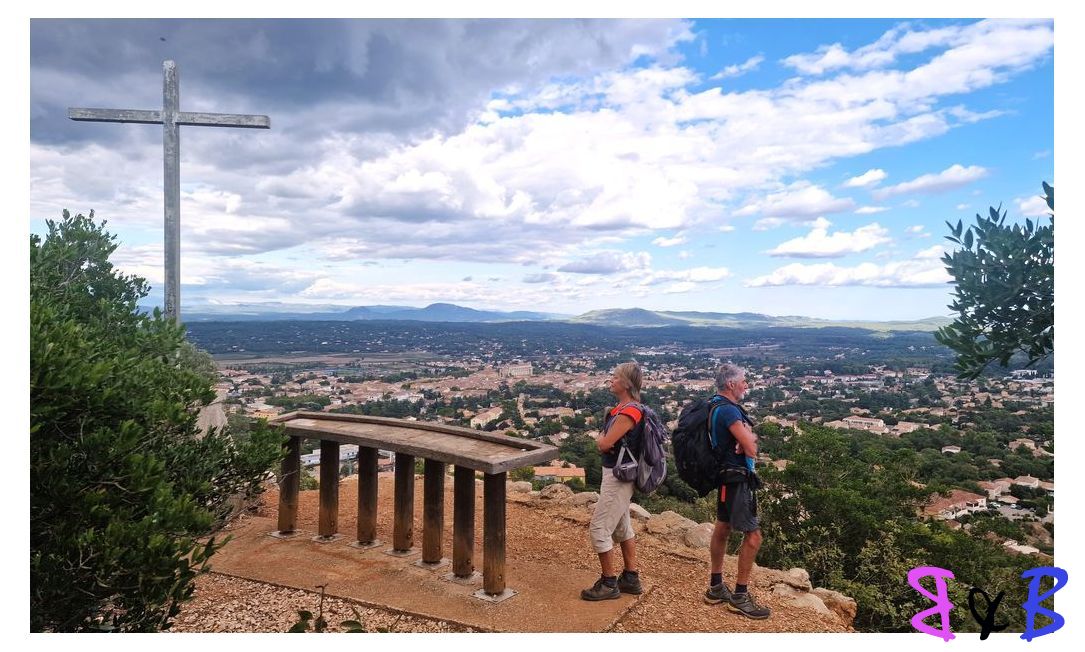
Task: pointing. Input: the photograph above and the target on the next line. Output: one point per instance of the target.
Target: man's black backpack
(698, 461)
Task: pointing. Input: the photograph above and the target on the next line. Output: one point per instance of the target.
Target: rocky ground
(550, 527)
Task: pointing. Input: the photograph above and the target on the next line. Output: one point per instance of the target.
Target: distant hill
(435, 312)
(638, 317)
(450, 312)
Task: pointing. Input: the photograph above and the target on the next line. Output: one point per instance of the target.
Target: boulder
(669, 523)
(699, 536)
(521, 487)
(798, 578)
(584, 498)
(840, 604)
(801, 599)
(638, 512)
(555, 492)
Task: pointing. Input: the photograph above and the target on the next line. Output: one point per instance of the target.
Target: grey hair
(728, 373)
(630, 374)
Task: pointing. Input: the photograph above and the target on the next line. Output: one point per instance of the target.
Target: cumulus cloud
(870, 210)
(800, 199)
(819, 243)
(955, 176)
(917, 231)
(739, 69)
(541, 277)
(925, 269)
(481, 141)
(669, 242)
(690, 277)
(1032, 206)
(868, 178)
(608, 262)
(769, 223)
(903, 39)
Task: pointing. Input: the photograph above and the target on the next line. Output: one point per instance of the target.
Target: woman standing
(610, 523)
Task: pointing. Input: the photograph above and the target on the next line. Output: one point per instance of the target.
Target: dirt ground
(550, 539)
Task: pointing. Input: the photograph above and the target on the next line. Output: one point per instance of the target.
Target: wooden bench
(467, 450)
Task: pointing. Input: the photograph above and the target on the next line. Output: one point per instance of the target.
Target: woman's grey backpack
(651, 469)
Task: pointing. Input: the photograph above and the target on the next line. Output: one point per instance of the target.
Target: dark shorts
(737, 506)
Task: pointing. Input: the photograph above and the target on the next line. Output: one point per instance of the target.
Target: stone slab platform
(547, 598)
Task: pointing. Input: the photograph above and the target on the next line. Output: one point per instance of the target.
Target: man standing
(736, 508)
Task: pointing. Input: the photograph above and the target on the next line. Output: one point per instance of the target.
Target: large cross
(171, 118)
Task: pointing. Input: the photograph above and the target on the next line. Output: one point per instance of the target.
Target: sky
(787, 166)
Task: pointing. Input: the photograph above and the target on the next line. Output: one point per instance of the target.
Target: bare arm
(621, 426)
(745, 437)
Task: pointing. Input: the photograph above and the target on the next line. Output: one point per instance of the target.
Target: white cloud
(923, 270)
(932, 252)
(819, 243)
(609, 262)
(961, 207)
(739, 69)
(1034, 206)
(693, 275)
(800, 199)
(769, 223)
(917, 231)
(532, 165)
(868, 178)
(542, 277)
(967, 41)
(684, 255)
(870, 210)
(726, 228)
(955, 176)
(669, 242)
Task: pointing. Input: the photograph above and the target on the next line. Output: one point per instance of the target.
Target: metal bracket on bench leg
(481, 594)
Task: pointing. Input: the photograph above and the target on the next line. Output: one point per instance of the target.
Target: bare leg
(718, 545)
(629, 554)
(751, 542)
(606, 561)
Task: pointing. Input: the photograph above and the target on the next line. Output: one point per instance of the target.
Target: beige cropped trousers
(610, 522)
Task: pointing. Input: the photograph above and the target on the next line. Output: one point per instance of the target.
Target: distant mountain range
(448, 312)
(438, 312)
(637, 317)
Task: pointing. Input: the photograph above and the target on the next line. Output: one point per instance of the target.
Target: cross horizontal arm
(116, 115)
(224, 120)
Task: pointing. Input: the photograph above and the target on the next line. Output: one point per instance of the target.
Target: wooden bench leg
(463, 522)
(493, 533)
(433, 511)
(329, 488)
(289, 482)
(367, 495)
(403, 524)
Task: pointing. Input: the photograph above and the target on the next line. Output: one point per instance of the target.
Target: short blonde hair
(630, 373)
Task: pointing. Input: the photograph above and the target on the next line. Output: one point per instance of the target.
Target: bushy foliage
(848, 514)
(122, 484)
(1005, 291)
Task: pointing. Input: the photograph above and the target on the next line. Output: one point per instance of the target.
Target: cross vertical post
(171, 188)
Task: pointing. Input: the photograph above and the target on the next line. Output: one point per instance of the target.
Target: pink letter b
(942, 605)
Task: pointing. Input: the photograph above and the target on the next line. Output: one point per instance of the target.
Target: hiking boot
(717, 593)
(600, 591)
(743, 603)
(629, 584)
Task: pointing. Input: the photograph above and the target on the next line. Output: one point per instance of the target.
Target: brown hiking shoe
(743, 603)
(600, 591)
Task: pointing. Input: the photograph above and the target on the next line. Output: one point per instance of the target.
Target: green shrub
(122, 484)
